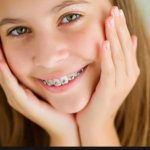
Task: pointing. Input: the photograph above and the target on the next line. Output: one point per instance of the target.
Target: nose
(50, 50)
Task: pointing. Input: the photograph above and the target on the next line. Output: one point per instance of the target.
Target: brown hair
(133, 118)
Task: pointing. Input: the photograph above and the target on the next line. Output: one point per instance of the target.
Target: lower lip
(65, 87)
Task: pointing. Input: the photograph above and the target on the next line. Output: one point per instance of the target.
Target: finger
(134, 41)
(117, 53)
(107, 77)
(18, 96)
(125, 39)
(107, 80)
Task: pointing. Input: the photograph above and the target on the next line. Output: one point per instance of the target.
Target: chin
(71, 110)
(71, 106)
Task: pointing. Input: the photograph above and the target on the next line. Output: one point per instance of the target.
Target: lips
(65, 87)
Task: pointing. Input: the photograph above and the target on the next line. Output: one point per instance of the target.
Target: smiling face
(48, 44)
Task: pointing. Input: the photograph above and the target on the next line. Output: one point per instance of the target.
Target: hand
(119, 73)
(58, 125)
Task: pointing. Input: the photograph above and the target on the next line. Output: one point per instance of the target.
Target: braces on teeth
(63, 80)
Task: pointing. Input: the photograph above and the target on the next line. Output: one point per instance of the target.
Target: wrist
(65, 139)
(104, 135)
(95, 127)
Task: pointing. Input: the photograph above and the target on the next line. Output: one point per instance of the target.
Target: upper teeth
(63, 80)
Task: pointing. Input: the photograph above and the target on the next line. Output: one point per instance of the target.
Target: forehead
(18, 6)
(30, 9)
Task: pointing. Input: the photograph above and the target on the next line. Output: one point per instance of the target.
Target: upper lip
(57, 76)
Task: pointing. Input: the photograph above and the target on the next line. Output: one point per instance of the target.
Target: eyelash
(64, 24)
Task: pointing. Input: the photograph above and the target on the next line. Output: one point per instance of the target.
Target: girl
(73, 74)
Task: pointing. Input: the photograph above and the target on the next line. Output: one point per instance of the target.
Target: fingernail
(122, 14)
(116, 12)
(107, 45)
(112, 22)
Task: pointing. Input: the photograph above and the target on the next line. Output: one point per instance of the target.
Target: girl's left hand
(119, 73)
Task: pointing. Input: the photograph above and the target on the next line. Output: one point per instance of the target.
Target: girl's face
(53, 42)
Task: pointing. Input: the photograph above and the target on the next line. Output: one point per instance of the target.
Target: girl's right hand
(61, 127)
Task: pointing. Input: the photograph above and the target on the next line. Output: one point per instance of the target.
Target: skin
(62, 46)
(118, 66)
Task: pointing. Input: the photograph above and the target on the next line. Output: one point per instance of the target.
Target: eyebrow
(54, 10)
(68, 3)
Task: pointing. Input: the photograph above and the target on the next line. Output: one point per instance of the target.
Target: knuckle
(119, 57)
(110, 72)
(113, 34)
(120, 24)
(128, 43)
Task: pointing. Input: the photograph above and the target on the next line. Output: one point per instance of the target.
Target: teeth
(49, 82)
(71, 77)
(57, 82)
(76, 74)
(44, 81)
(64, 80)
(81, 70)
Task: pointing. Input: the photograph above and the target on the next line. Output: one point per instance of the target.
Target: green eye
(71, 17)
(19, 31)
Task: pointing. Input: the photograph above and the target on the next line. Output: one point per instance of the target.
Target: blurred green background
(144, 7)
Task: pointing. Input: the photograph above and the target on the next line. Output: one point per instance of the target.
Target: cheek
(18, 60)
(87, 42)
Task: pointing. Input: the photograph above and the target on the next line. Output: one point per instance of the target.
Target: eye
(18, 31)
(68, 20)
(71, 18)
